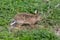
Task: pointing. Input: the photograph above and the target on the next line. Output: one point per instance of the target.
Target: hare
(57, 30)
(25, 18)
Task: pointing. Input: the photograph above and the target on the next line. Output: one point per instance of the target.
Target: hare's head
(37, 14)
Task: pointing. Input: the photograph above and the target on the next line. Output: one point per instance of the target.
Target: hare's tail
(12, 23)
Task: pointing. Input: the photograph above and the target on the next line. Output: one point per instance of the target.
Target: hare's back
(24, 16)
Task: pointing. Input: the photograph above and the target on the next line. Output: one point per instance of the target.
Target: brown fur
(26, 18)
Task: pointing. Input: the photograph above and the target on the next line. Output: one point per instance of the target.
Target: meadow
(49, 11)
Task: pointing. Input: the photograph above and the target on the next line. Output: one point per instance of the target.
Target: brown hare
(25, 18)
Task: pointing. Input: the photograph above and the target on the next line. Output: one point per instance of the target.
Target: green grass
(8, 8)
(36, 34)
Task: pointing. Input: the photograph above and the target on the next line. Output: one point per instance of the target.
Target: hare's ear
(36, 11)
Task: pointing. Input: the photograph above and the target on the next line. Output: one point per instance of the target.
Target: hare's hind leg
(10, 30)
(21, 27)
(18, 26)
(32, 25)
